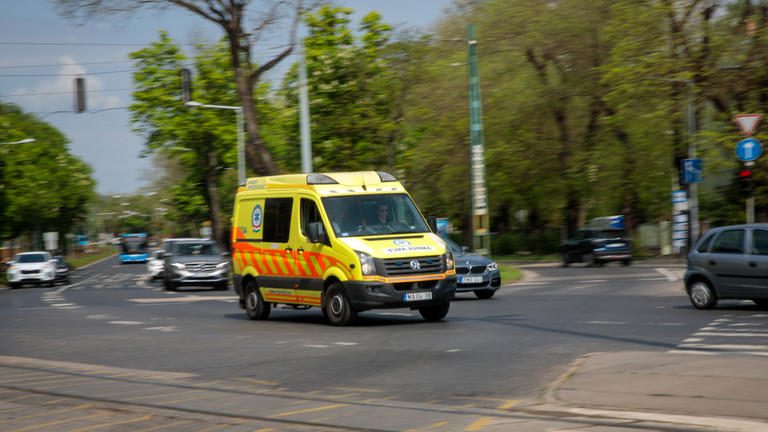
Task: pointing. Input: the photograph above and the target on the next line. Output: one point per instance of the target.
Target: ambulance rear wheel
(337, 308)
(255, 306)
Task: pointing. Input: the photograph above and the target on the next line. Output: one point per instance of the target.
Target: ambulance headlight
(367, 266)
(449, 265)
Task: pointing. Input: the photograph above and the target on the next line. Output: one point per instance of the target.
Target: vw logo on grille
(415, 266)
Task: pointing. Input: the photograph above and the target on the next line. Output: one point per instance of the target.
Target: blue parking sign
(692, 170)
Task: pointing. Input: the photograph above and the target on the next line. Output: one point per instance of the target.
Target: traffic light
(745, 179)
(186, 85)
(79, 95)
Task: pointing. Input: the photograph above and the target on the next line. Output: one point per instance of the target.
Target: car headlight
(367, 265)
(13, 268)
(179, 266)
(449, 264)
(222, 266)
(493, 266)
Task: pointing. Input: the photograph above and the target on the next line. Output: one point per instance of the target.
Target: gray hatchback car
(729, 262)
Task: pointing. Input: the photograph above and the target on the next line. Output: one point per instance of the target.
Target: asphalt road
(120, 349)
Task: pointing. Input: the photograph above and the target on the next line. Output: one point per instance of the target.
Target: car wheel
(761, 302)
(484, 294)
(590, 260)
(566, 260)
(435, 313)
(702, 296)
(626, 262)
(255, 306)
(337, 308)
(52, 283)
(221, 287)
(13, 285)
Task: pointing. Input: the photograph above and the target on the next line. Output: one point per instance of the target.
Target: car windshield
(197, 249)
(30, 258)
(361, 215)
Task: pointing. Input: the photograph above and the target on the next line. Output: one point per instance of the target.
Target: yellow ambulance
(344, 242)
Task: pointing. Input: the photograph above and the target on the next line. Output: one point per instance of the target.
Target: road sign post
(747, 151)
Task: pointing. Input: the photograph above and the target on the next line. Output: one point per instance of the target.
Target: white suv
(32, 267)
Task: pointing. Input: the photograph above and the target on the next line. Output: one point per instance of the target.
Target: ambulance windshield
(363, 215)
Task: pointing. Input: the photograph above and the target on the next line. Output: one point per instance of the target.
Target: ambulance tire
(255, 306)
(337, 308)
(435, 313)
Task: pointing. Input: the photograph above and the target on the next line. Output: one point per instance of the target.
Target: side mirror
(317, 233)
(432, 220)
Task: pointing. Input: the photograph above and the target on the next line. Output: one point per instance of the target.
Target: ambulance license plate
(417, 296)
(471, 279)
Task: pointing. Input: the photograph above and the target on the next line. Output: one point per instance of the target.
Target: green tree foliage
(43, 187)
(350, 92)
(202, 141)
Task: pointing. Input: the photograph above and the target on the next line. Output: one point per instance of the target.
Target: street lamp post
(24, 141)
(240, 137)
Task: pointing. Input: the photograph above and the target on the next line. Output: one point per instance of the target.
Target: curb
(96, 262)
(552, 404)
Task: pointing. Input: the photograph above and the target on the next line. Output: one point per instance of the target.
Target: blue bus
(134, 248)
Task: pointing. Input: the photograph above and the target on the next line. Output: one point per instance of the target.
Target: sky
(41, 53)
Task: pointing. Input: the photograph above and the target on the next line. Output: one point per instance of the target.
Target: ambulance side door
(278, 278)
(311, 258)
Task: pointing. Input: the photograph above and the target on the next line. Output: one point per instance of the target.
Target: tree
(230, 16)
(201, 140)
(43, 187)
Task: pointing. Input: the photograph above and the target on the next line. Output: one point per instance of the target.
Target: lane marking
(98, 426)
(42, 426)
(307, 410)
(605, 322)
(346, 343)
(127, 322)
(672, 277)
(725, 347)
(185, 299)
(395, 314)
(316, 346)
(453, 350)
(479, 424)
(163, 329)
(511, 403)
(745, 334)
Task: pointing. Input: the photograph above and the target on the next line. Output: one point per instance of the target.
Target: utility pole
(479, 197)
(306, 139)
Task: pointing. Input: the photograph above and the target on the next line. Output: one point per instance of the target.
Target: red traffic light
(745, 173)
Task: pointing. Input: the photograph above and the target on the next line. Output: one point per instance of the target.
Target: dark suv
(729, 262)
(195, 262)
(596, 246)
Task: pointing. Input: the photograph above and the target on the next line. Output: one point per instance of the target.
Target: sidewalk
(726, 392)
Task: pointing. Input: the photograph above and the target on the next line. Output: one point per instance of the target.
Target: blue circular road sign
(749, 149)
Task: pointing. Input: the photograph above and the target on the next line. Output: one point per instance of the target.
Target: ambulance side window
(309, 214)
(277, 219)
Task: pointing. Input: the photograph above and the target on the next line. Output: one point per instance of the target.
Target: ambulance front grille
(404, 266)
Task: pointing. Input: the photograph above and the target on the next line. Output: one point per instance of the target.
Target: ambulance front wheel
(255, 306)
(337, 308)
(435, 313)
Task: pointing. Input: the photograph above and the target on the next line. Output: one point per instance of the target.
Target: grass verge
(510, 273)
(98, 252)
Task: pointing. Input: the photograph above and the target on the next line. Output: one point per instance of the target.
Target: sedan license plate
(416, 296)
(471, 279)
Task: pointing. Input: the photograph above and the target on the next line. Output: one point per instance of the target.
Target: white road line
(453, 350)
(185, 299)
(590, 281)
(605, 322)
(346, 343)
(394, 314)
(672, 277)
(725, 346)
(317, 346)
(162, 328)
(127, 322)
(745, 334)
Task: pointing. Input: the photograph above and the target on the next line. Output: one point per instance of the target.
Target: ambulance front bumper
(366, 295)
